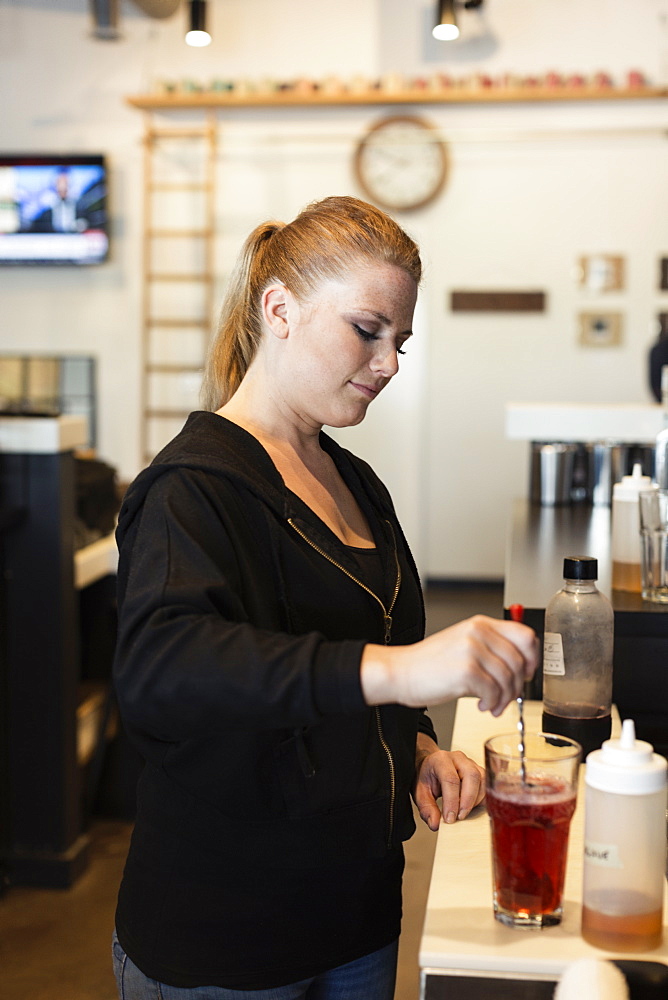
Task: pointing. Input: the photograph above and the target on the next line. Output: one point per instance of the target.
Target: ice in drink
(530, 823)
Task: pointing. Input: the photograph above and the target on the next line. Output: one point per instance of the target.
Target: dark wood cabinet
(44, 839)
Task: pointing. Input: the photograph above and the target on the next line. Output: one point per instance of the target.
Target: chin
(351, 420)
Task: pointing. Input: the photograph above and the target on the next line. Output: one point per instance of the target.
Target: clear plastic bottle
(577, 657)
(625, 845)
(626, 530)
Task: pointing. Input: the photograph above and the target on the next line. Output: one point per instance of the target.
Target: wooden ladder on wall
(179, 209)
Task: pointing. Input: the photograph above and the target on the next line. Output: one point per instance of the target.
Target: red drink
(530, 824)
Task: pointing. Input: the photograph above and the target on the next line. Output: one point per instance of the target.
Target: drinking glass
(530, 801)
(654, 545)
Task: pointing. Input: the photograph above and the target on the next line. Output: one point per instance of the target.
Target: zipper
(387, 619)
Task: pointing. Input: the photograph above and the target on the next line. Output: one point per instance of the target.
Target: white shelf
(623, 423)
(95, 561)
(42, 435)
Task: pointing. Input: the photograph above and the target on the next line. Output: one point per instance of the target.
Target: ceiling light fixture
(105, 19)
(446, 29)
(197, 35)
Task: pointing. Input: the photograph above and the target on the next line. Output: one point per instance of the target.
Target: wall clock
(401, 163)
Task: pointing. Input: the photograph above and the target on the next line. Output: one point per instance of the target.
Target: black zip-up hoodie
(274, 801)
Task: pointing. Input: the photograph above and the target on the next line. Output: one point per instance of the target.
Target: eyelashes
(368, 336)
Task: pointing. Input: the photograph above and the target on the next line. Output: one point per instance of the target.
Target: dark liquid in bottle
(589, 733)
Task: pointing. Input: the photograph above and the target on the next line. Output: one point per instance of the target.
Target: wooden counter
(465, 953)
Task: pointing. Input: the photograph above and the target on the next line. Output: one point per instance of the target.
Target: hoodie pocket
(309, 790)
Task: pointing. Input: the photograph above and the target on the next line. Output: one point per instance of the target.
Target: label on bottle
(553, 654)
(603, 855)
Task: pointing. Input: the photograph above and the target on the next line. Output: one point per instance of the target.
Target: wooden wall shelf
(454, 95)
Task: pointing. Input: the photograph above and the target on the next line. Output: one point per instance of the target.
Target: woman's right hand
(486, 658)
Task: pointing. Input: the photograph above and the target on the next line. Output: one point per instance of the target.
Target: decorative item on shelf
(266, 85)
(332, 85)
(221, 86)
(190, 87)
(304, 86)
(602, 79)
(392, 83)
(401, 163)
(393, 87)
(359, 84)
(165, 88)
(511, 81)
(243, 88)
(635, 78)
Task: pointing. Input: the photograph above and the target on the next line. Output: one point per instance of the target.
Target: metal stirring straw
(517, 614)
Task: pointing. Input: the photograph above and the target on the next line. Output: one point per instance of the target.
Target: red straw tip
(516, 612)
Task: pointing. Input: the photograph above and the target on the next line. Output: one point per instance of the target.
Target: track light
(197, 34)
(445, 29)
(105, 19)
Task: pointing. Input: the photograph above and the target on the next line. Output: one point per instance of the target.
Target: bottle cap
(626, 766)
(629, 487)
(580, 568)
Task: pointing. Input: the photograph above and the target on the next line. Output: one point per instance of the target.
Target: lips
(367, 390)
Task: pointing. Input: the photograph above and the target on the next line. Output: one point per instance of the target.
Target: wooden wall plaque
(497, 301)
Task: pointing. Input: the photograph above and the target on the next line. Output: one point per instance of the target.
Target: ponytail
(240, 324)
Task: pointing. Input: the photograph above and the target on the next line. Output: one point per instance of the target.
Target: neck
(258, 408)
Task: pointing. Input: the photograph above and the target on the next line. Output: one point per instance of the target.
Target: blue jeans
(368, 978)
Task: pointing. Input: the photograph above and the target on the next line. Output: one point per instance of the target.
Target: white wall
(531, 187)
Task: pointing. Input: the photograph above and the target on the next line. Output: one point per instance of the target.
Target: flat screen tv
(53, 210)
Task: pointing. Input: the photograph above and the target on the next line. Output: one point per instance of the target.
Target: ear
(274, 305)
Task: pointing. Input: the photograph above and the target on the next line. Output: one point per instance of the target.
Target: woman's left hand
(449, 775)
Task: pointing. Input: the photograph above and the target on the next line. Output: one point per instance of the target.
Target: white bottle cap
(626, 766)
(630, 486)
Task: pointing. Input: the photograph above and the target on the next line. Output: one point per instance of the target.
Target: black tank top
(370, 569)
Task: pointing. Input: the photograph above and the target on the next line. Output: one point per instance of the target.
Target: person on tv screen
(62, 210)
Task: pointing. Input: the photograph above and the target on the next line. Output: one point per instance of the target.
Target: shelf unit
(56, 716)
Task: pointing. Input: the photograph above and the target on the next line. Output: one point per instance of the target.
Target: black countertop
(539, 538)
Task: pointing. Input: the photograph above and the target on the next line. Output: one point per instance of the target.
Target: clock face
(401, 163)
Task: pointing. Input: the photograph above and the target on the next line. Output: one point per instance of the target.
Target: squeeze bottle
(625, 844)
(626, 531)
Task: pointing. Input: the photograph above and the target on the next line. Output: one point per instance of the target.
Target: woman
(271, 665)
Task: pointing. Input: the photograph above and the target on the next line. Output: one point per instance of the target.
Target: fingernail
(463, 814)
(450, 818)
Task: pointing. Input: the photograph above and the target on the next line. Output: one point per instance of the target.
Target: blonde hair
(323, 242)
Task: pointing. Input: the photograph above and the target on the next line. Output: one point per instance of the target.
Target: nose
(385, 360)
